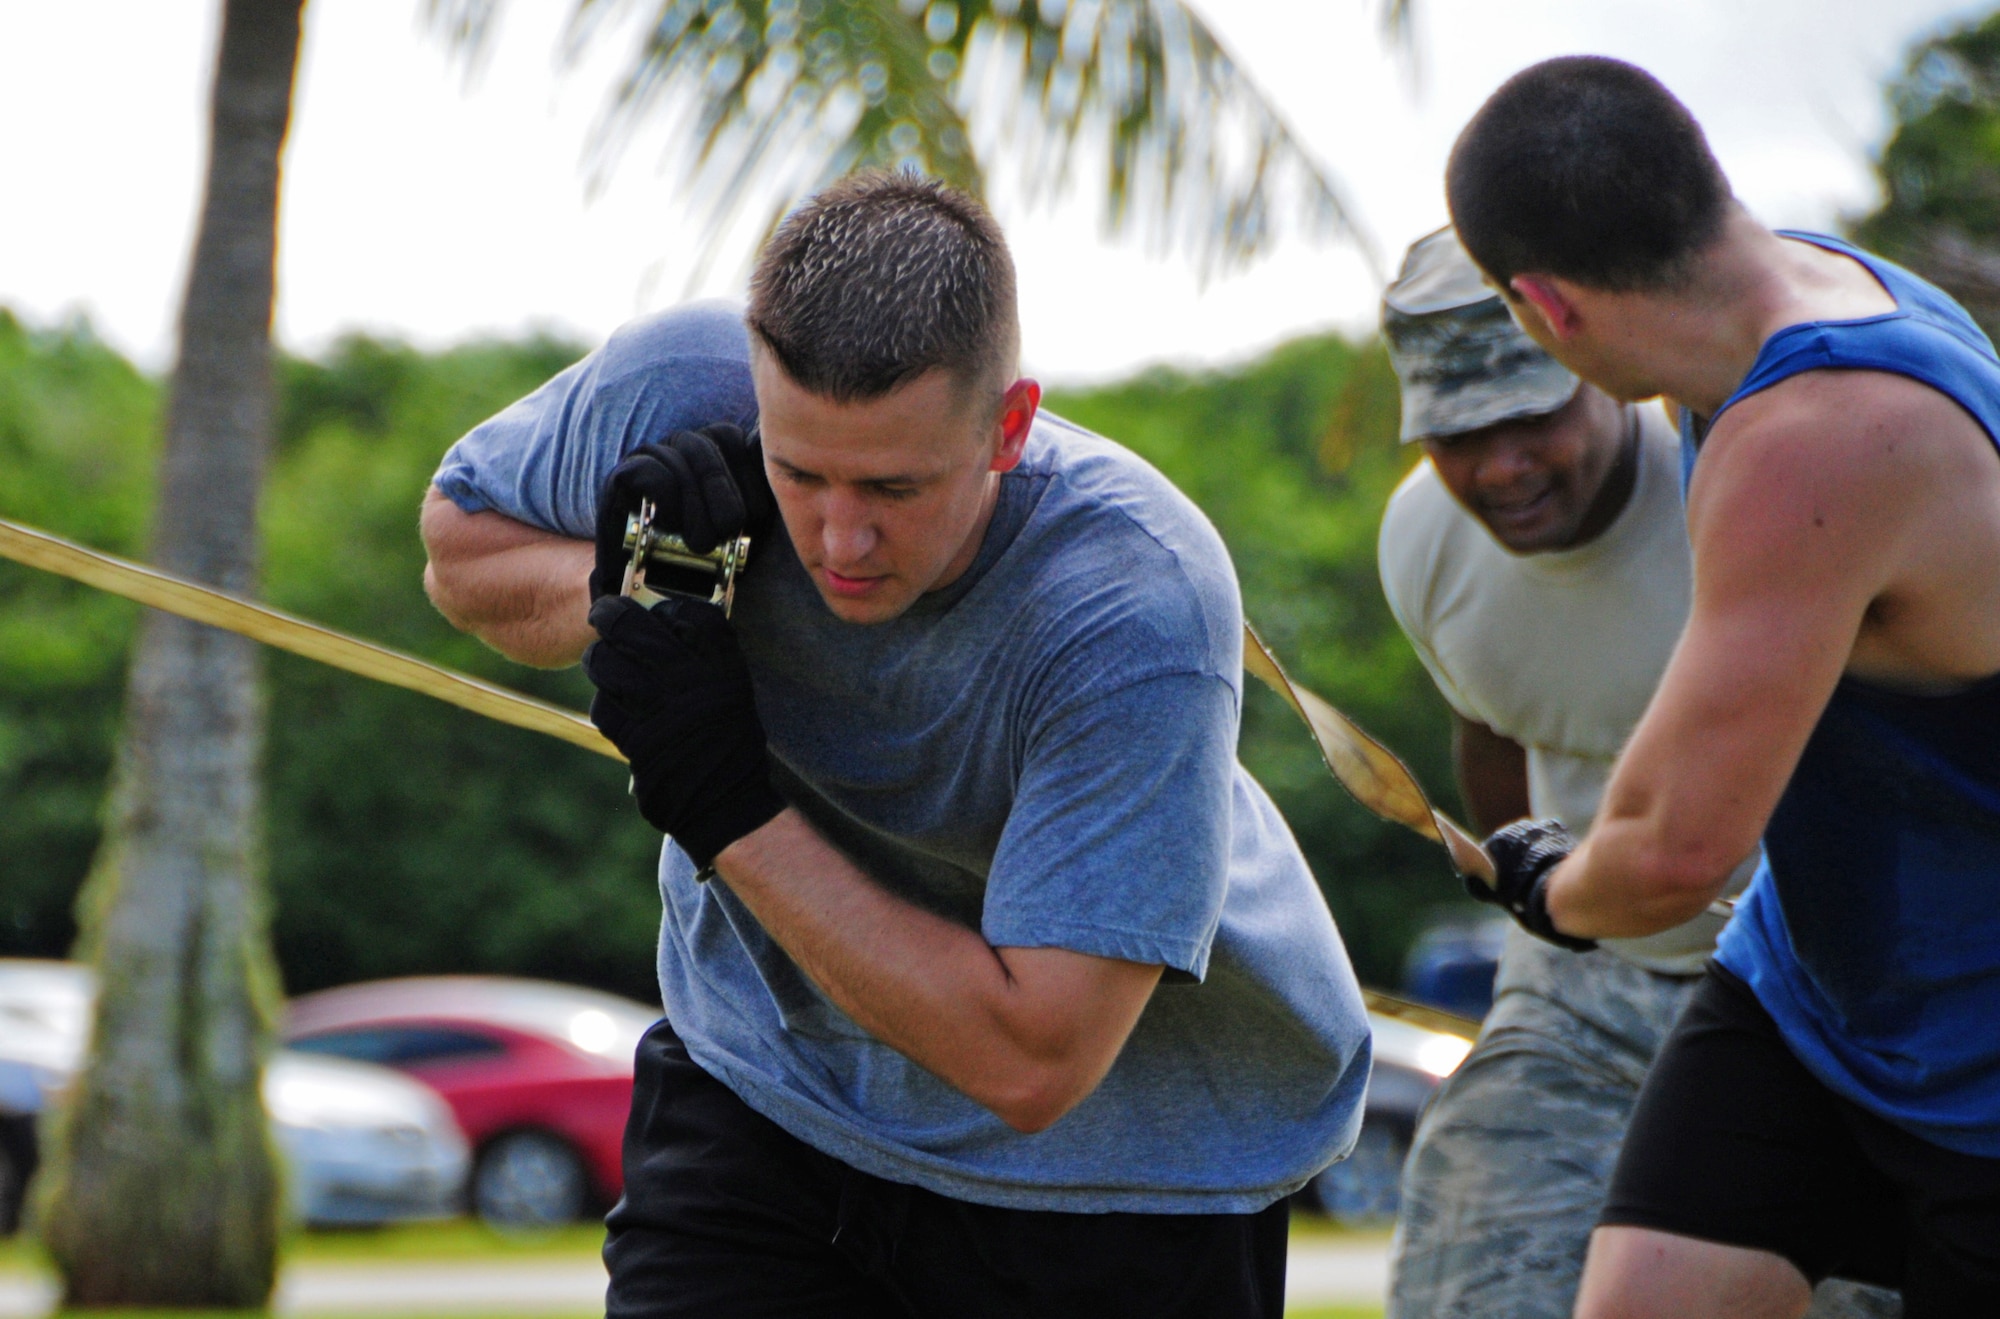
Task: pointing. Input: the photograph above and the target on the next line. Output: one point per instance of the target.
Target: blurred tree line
(1940, 170)
(406, 836)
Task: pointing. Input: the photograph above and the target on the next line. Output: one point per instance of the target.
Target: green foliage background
(1940, 169)
(406, 836)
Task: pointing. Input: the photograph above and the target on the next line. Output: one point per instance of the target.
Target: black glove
(707, 486)
(1523, 855)
(674, 695)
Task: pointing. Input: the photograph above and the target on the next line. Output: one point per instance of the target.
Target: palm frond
(1399, 23)
(465, 24)
(1399, 33)
(767, 100)
(1192, 152)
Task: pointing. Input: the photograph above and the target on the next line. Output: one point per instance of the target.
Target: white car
(362, 1144)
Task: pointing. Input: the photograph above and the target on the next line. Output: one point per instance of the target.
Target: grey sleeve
(1118, 841)
(544, 459)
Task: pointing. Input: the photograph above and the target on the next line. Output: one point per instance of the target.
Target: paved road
(1337, 1272)
(1321, 1272)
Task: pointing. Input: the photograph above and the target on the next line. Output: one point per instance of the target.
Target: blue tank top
(1871, 934)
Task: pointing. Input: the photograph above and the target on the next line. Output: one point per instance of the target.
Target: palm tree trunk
(163, 1188)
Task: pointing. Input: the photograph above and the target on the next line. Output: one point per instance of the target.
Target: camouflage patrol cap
(1462, 360)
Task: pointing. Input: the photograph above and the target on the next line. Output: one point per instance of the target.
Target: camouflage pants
(1514, 1154)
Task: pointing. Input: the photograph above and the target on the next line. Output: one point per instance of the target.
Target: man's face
(1541, 483)
(888, 498)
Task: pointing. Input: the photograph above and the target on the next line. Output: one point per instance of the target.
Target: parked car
(1411, 1060)
(1452, 964)
(363, 1145)
(539, 1075)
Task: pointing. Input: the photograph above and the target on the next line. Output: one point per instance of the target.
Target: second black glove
(1523, 855)
(707, 485)
(674, 695)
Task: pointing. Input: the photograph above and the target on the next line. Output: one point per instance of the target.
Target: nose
(1505, 465)
(847, 531)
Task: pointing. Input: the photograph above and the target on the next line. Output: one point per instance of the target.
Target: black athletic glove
(1523, 855)
(707, 486)
(674, 695)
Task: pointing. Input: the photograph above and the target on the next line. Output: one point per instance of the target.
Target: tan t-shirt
(1559, 651)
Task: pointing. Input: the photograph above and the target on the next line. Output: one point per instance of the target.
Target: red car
(538, 1074)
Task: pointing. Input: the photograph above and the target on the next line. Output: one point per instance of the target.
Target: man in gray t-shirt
(993, 983)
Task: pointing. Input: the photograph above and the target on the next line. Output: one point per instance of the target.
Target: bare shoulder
(1866, 490)
(1420, 518)
(1856, 406)
(1883, 439)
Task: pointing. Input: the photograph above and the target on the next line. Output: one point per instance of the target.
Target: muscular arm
(1810, 518)
(1492, 773)
(523, 591)
(1026, 1032)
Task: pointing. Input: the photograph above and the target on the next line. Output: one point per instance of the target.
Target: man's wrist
(744, 852)
(1558, 890)
(751, 808)
(1542, 920)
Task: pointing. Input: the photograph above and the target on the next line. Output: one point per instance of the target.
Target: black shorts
(1734, 1141)
(725, 1215)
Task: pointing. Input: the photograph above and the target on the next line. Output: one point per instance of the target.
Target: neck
(1749, 285)
(968, 552)
(1701, 339)
(1619, 482)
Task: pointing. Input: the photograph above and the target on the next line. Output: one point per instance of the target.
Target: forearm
(1623, 882)
(1701, 775)
(523, 591)
(1000, 1025)
(529, 604)
(1690, 795)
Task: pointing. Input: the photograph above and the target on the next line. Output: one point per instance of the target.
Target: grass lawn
(1310, 1228)
(463, 1239)
(458, 1238)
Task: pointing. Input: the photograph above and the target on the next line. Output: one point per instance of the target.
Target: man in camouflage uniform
(1540, 498)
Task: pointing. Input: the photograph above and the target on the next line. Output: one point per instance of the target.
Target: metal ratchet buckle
(655, 550)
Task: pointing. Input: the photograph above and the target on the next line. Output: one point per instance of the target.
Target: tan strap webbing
(205, 604)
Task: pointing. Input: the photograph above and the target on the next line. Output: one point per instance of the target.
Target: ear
(1550, 302)
(1017, 413)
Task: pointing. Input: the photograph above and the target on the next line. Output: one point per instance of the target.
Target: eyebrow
(793, 469)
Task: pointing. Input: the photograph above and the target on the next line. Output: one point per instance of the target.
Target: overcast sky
(421, 206)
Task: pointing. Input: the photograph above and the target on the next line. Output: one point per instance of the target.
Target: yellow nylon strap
(205, 604)
(1368, 770)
